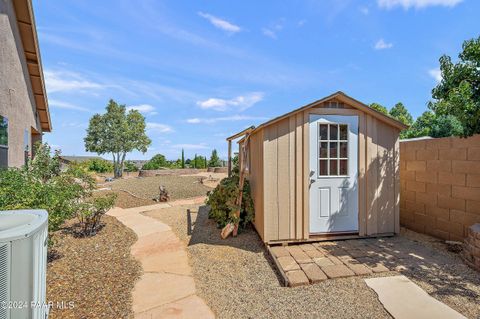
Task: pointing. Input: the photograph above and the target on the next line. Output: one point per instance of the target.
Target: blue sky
(203, 70)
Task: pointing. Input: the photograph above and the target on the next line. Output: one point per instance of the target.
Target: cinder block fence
(440, 186)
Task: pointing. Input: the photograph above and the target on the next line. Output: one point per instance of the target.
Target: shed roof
(28, 34)
(341, 97)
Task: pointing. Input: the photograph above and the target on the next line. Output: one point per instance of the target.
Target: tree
(458, 93)
(214, 159)
(156, 162)
(117, 132)
(379, 108)
(400, 113)
(183, 159)
(429, 124)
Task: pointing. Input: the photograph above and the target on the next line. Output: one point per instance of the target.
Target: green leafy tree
(458, 93)
(214, 159)
(199, 162)
(100, 166)
(379, 108)
(183, 159)
(429, 124)
(117, 132)
(400, 113)
(156, 162)
(130, 166)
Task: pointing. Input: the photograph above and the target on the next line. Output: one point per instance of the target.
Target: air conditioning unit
(23, 264)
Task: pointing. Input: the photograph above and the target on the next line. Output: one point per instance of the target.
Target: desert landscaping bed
(178, 187)
(126, 200)
(238, 279)
(96, 273)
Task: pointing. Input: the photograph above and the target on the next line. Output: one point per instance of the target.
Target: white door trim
(333, 197)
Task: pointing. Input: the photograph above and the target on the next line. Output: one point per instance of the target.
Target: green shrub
(42, 185)
(91, 212)
(99, 165)
(222, 202)
(130, 167)
(156, 162)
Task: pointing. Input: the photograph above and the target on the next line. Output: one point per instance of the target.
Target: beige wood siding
(285, 212)
(255, 178)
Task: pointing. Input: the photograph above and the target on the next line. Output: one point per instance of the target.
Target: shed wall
(255, 177)
(285, 210)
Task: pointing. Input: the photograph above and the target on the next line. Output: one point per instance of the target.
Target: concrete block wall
(471, 251)
(440, 186)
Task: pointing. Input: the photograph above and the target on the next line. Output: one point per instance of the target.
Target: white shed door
(333, 173)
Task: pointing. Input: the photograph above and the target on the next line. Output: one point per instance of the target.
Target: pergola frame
(230, 139)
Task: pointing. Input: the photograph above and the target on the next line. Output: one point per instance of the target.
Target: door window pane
(343, 132)
(333, 167)
(333, 131)
(333, 150)
(323, 150)
(343, 167)
(323, 169)
(323, 131)
(343, 149)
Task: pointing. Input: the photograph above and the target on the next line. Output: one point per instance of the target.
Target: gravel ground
(177, 186)
(237, 280)
(96, 273)
(125, 200)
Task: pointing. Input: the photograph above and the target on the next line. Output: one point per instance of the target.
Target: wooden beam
(229, 158)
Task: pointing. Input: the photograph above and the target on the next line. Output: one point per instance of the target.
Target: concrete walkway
(166, 288)
(405, 300)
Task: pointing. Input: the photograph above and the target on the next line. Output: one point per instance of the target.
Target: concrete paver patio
(326, 260)
(167, 288)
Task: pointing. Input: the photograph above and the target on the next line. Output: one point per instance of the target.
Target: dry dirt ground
(96, 273)
(237, 279)
(178, 187)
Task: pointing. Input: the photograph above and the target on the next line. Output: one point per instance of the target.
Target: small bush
(156, 162)
(41, 185)
(222, 203)
(91, 212)
(130, 167)
(100, 166)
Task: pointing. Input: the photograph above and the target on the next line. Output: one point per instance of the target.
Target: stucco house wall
(17, 100)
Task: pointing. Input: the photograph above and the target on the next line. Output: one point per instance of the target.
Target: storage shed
(329, 169)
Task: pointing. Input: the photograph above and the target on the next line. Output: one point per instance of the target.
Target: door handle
(311, 182)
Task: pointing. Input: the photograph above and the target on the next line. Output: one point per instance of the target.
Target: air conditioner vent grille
(4, 280)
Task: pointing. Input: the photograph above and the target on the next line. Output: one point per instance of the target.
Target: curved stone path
(166, 288)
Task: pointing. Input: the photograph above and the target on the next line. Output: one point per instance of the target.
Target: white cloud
(60, 81)
(220, 23)
(436, 74)
(201, 146)
(269, 33)
(382, 45)
(158, 127)
(232, 118)
(143, 108)
(417, 4)
(301, 23)
(364, 10)
(66, 105)
(239, 103)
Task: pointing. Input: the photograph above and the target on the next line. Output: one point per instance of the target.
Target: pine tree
(214, 159)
